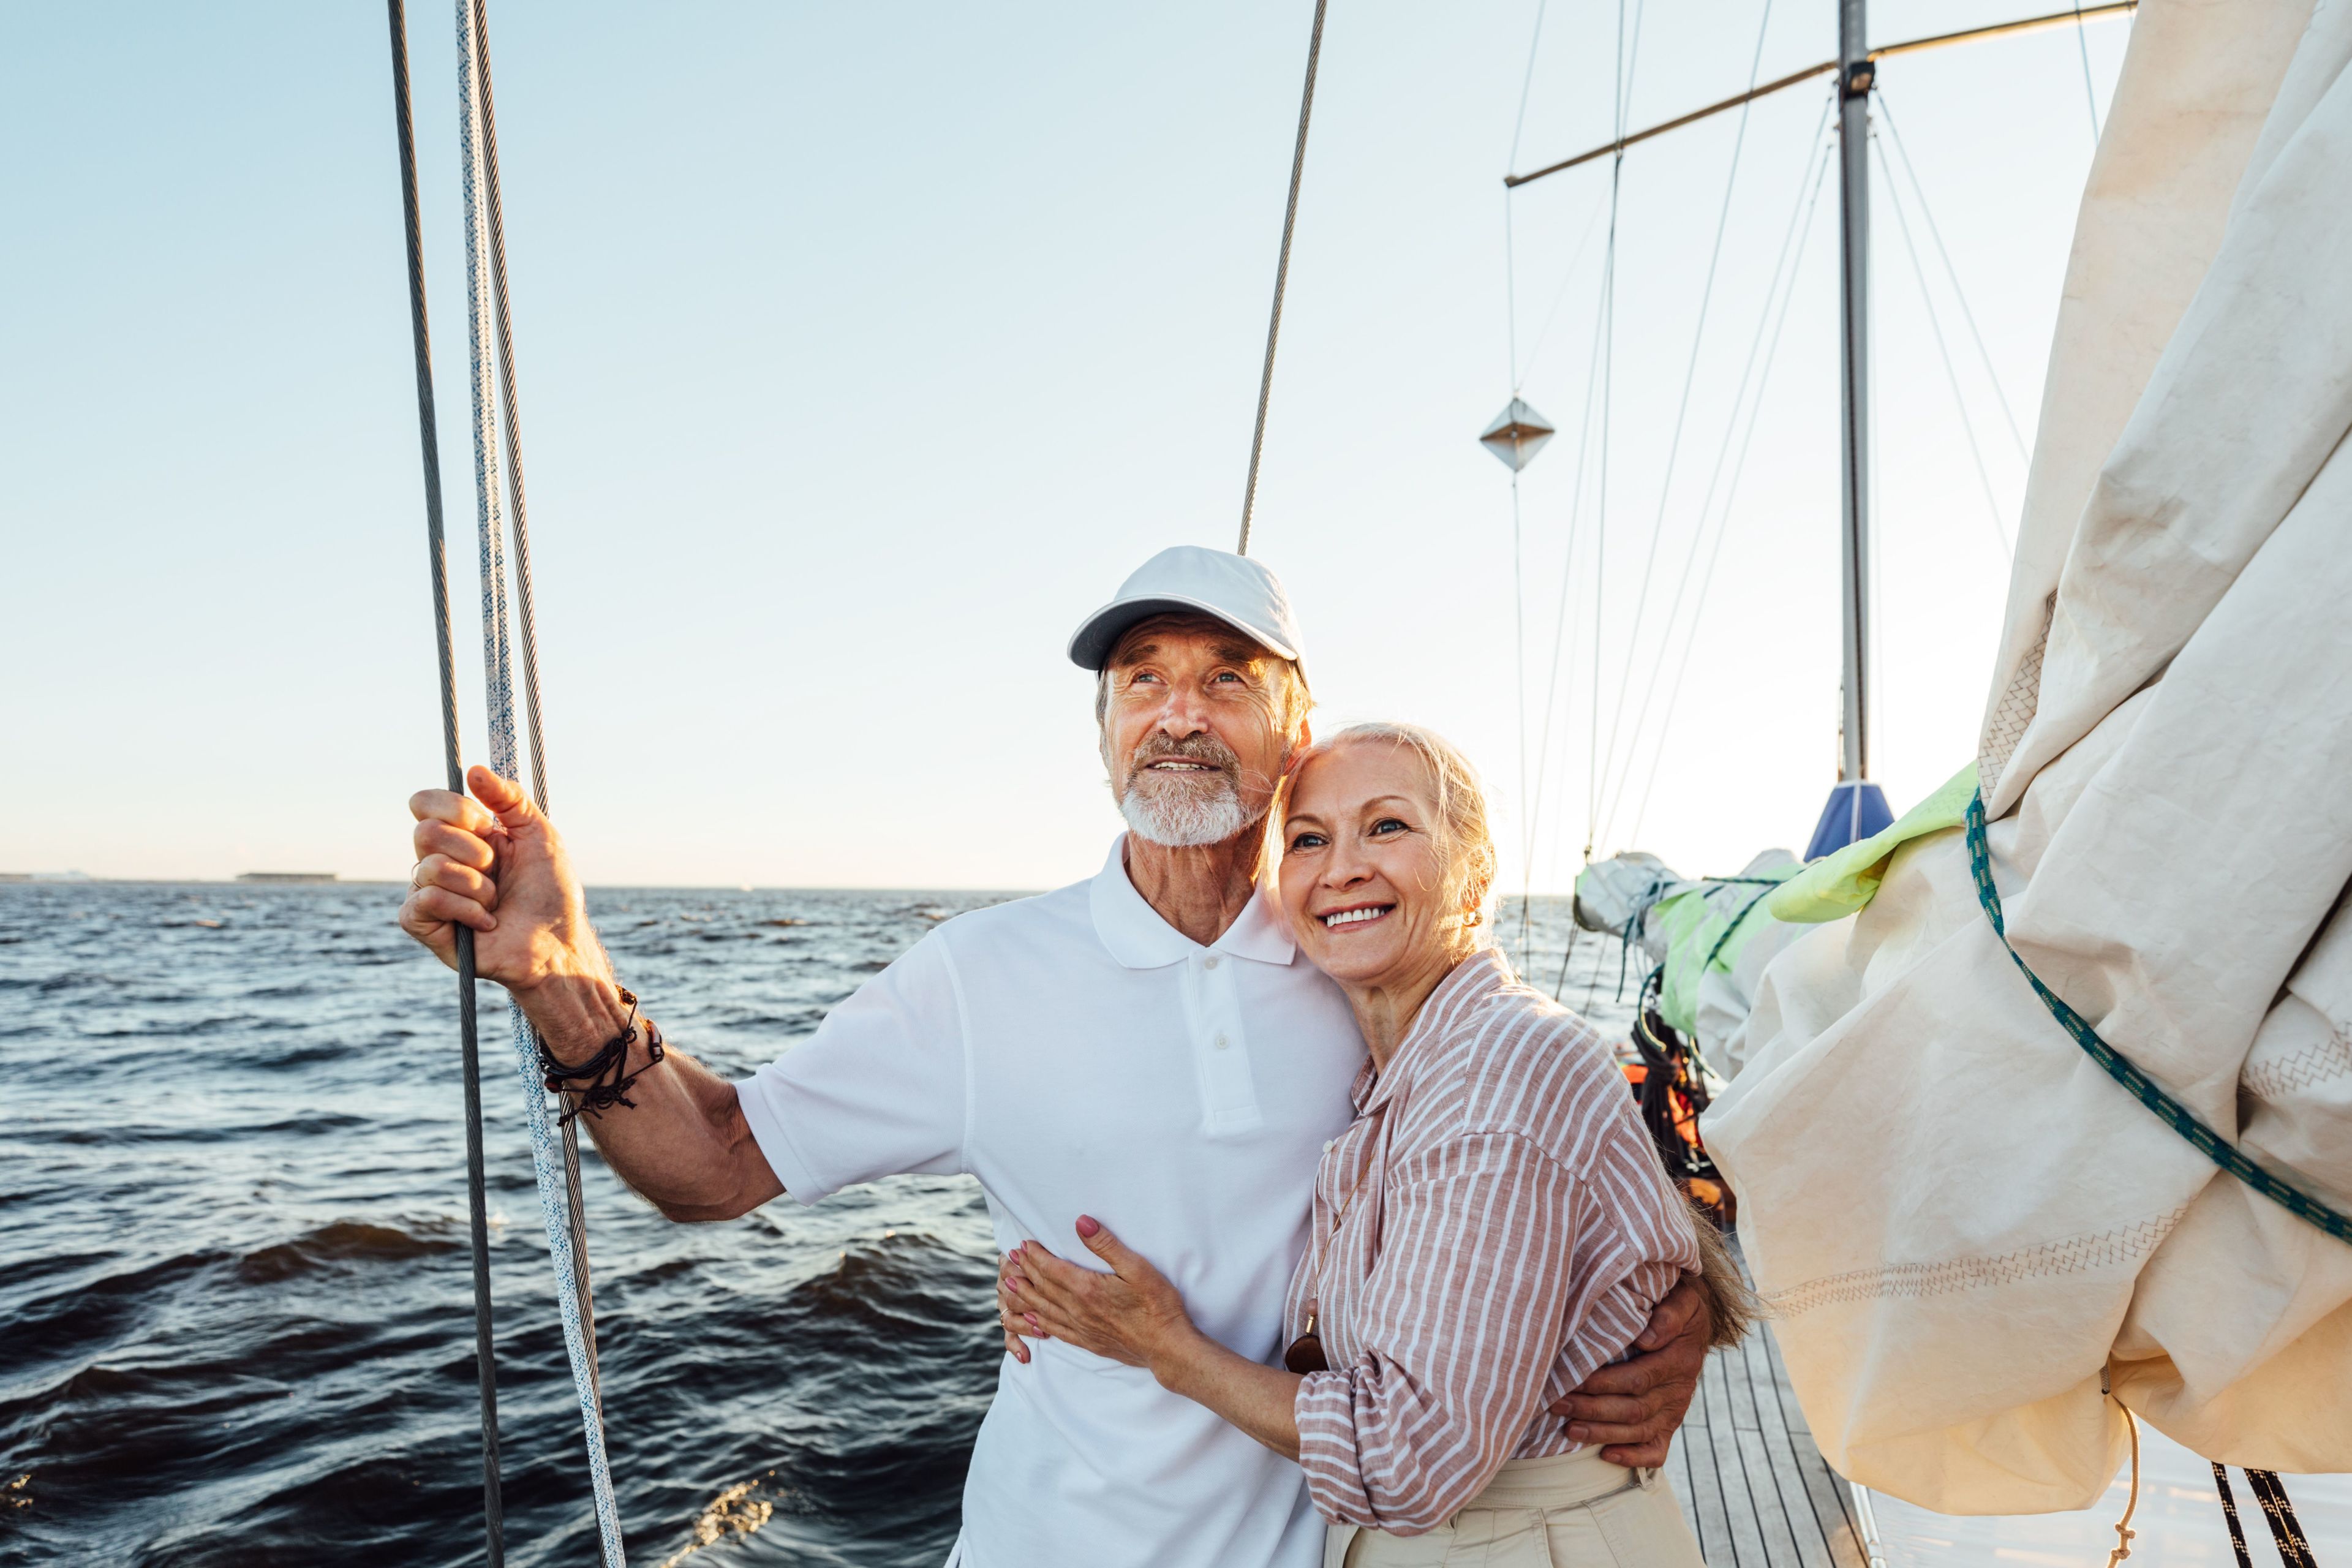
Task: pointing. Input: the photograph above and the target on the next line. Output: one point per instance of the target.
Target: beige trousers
(1571, 1511)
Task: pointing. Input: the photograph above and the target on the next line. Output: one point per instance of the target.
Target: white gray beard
(1183, 817)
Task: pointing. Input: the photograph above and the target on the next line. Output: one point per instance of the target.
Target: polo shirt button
(1211, 962)
(1221, 1042)
(1330, 1144)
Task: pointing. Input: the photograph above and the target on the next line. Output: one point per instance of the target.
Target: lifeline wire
(546, 1160)
(1281, 277)
(485, 1364)
(575, 1206)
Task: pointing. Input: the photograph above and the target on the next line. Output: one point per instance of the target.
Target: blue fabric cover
(1856, 810)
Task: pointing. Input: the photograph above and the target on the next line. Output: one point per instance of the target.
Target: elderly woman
(1493, 1226)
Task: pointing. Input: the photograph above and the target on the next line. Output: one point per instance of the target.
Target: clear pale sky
(864, 348)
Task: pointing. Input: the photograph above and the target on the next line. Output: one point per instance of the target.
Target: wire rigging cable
(473, 55)
(1519, 664)
(1560, 615)
(1518, 575)
(1817, 149)
(1626, 62)
(576, 1207)
(1808, 182)
(1801, 231)
(1597, 370)
(1943, 352)
(1936, 235)
(1281, 277)
(2090, 93)
(1526, 368)
(1682, 410)
(476, 1222)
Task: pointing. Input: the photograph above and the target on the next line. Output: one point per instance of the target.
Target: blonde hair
(1465, 841)
(1733, 1306)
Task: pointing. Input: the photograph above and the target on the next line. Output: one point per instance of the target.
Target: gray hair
(1466, 840)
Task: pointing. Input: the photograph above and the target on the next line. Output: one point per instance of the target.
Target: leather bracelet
(604, 1075)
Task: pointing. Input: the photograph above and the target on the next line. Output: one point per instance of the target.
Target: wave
(344, 1242)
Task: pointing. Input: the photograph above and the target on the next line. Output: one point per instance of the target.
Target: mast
(1856, 74)
(1856, 807)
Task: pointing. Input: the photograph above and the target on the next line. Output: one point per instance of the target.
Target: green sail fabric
(1836, 886)
(1706, 925)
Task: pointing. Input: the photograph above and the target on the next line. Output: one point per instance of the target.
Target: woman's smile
(1364, 877)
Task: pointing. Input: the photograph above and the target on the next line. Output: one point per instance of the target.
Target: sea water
(235, 1301)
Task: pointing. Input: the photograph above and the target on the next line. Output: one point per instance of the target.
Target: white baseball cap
(1230, 588)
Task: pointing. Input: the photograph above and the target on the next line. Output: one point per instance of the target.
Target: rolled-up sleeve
(1460, 1322)
(877, 1090)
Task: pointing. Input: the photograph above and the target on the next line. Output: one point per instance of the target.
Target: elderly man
(1145, 1039)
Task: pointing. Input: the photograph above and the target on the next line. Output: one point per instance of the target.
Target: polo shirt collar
(1136, 935)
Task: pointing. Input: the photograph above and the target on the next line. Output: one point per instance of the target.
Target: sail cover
(1712, 938)
(1970, 1231)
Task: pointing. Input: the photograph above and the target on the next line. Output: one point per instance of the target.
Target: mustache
(1206, 749)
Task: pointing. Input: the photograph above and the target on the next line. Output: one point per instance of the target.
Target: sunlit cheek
(1416, 879)
(1290, 875)
(1131, 718)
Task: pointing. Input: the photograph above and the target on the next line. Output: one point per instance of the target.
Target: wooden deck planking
(1787, 1462)
(1731, 1465)
(1756, 1460)
(1703, 1504)
(1754, 1489)
(1832, 1498)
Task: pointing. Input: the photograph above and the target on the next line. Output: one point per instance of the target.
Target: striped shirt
(1493, 1226)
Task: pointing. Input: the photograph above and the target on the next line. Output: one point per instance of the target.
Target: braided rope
(547, 1163)
(2230, 1514)
(2124, 1534)
(2286, 1531)
(2143, 1089)
(575, 1205)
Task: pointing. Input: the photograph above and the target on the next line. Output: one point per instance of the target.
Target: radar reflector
(1517, 434)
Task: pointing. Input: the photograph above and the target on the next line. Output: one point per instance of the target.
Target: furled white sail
(1970, 1229)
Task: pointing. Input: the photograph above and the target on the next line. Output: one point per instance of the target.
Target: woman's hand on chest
(1131, 1315)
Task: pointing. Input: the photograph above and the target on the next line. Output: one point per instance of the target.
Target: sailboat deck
(1756, 1490)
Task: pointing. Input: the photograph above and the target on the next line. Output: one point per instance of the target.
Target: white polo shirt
(1079, 1055)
